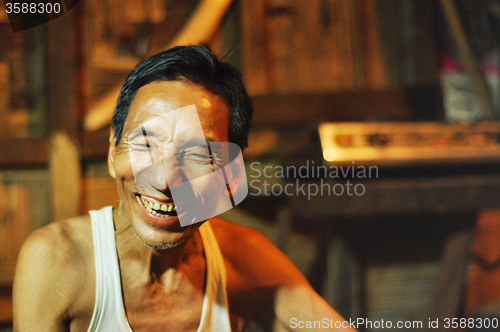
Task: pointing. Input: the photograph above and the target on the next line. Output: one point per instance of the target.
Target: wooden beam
(397, 104)
(23, 152)
(374, 67)
(200, 28)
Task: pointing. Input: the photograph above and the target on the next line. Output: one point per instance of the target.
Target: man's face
(163, 146)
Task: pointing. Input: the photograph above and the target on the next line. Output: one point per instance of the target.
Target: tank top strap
(109, 311)
(216, 317)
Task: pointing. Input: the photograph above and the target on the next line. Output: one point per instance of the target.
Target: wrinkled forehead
(181, 126)
(178, 107)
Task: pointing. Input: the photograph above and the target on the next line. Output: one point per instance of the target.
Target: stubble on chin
(160, 246)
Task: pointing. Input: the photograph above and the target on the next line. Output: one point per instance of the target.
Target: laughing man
(161, 261)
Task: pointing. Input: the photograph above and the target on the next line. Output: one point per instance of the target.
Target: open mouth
(162, 210)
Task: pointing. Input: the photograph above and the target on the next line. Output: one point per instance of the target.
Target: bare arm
(295, 305)
(286, 299)
(300, 308)
(43, 290)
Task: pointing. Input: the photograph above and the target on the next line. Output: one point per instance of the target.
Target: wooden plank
(63, 74)
(281, 30)
(425, 39)
(390, 24)
(349, 40)
(374, 65)
(254, 46)
(23, 152)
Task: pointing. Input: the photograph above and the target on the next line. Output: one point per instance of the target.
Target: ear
(112, 153)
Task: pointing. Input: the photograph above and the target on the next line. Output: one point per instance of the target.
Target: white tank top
(109, 311)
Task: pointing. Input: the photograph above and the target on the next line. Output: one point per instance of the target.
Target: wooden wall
(306, 49)
(330, 45)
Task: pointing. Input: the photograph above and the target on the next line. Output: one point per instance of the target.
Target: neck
(155, 264)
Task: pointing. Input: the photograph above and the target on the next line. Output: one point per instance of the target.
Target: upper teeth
(151, 206)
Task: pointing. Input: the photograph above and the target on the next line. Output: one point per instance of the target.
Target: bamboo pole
(477, 79)
(200, 28)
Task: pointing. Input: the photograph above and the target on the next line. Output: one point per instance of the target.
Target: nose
(161, 175)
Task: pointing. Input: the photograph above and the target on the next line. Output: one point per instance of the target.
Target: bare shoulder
(254, 257)
(236, 240)
(52, 270)
(61, 243)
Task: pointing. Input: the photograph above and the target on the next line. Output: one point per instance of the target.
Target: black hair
(198, 65)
